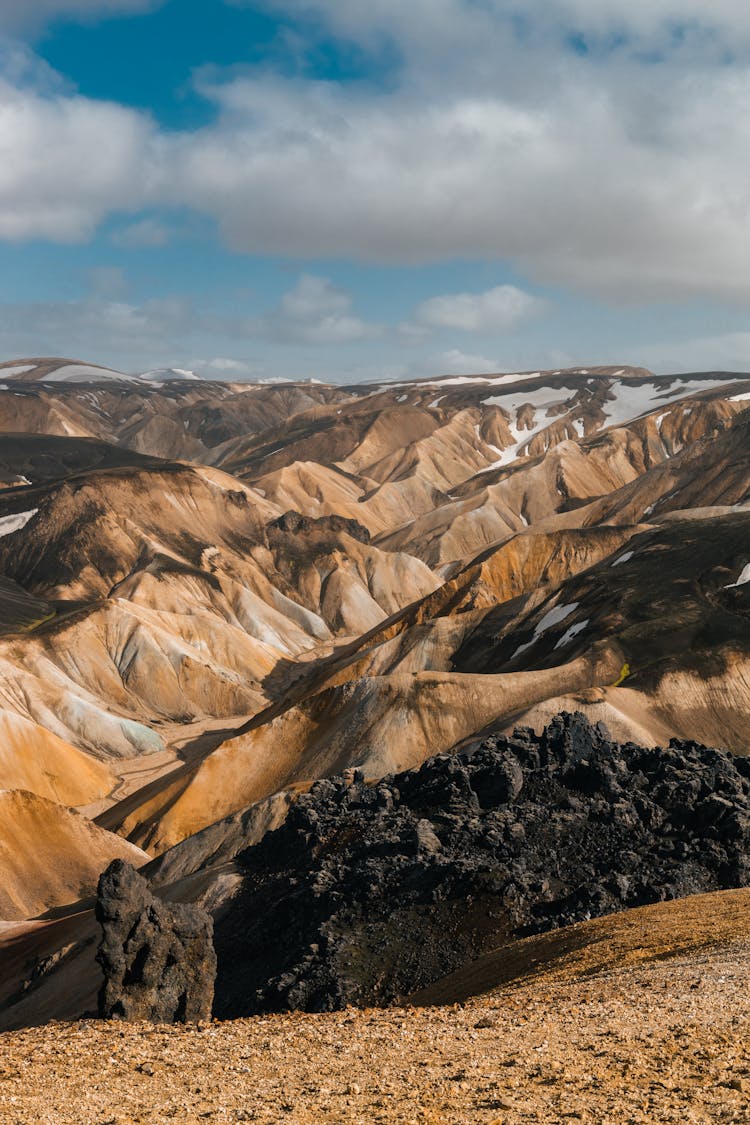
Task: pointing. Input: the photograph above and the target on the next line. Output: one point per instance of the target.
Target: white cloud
(656, 17)
(625, 178)
(312, 298)
(145, 233)
(224, 368)
(496, 310)
(96, 326)
(626, 195)
(421, 25)
(65, 162)
(456, 362)
(108, 282)
(313, 312)
(20, 67)
(16, 15)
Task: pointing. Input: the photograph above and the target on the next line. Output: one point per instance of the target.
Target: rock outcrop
(369, 892)
(158, 959)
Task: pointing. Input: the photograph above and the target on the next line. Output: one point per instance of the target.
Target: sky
(360, 189)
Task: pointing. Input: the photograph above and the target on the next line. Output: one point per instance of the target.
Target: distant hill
(56, 370)
(167, 375)
(220, 593)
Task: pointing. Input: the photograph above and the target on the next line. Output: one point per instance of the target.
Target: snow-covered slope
(167, 374)
(56, 370)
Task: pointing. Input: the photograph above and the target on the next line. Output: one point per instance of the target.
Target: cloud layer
(496, 310)
(613, 167)
(22, 14)
(67, 162)
(313, 312)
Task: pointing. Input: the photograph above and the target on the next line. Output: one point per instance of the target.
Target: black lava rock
(158, 959)
(370, 892)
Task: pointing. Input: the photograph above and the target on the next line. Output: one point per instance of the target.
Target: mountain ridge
(214, 596)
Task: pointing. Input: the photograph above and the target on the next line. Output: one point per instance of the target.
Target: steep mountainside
(213, 595)
(49, 855)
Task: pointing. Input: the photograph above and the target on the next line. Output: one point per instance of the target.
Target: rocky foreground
(637, 1018)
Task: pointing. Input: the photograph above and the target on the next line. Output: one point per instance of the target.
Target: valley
(214, 597)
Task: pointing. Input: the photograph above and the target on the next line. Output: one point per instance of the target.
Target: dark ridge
(369, 892)
(295, 523)
(46, 457)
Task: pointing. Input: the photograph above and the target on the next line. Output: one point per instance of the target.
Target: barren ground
(638, 1019)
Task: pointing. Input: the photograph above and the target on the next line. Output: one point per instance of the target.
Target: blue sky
(312, 188)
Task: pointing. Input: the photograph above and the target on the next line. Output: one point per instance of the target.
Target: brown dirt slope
(658, 1041)
(50, 855)
(611, 944)
(35, 759)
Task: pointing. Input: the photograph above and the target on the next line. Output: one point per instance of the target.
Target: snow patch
(743, 579)
(163, 374)
(456, 381)
(552, 617)
(9, 524)
(84, 373)
(572, 632)
(630, 401)
(543, 400)
(16, 369)
(624, 558)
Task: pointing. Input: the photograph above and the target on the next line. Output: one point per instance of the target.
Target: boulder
(158, 958)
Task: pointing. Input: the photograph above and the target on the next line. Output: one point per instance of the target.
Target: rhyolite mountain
(212, 595)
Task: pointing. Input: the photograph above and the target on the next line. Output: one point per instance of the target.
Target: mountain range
(214, 595)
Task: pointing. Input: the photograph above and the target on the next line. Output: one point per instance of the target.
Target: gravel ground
(663, 1041)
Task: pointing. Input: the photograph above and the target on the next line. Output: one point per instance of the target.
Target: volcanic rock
(370, 891)
(158, 960)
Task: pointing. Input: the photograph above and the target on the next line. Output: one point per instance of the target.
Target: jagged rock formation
(370, 891)
(158, 959)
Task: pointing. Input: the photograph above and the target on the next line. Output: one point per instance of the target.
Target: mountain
(214, 595)
(64, 863)
(167, 374)
(56, 370)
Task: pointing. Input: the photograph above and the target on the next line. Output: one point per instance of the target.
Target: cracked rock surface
(369, 892)
(158, 959)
